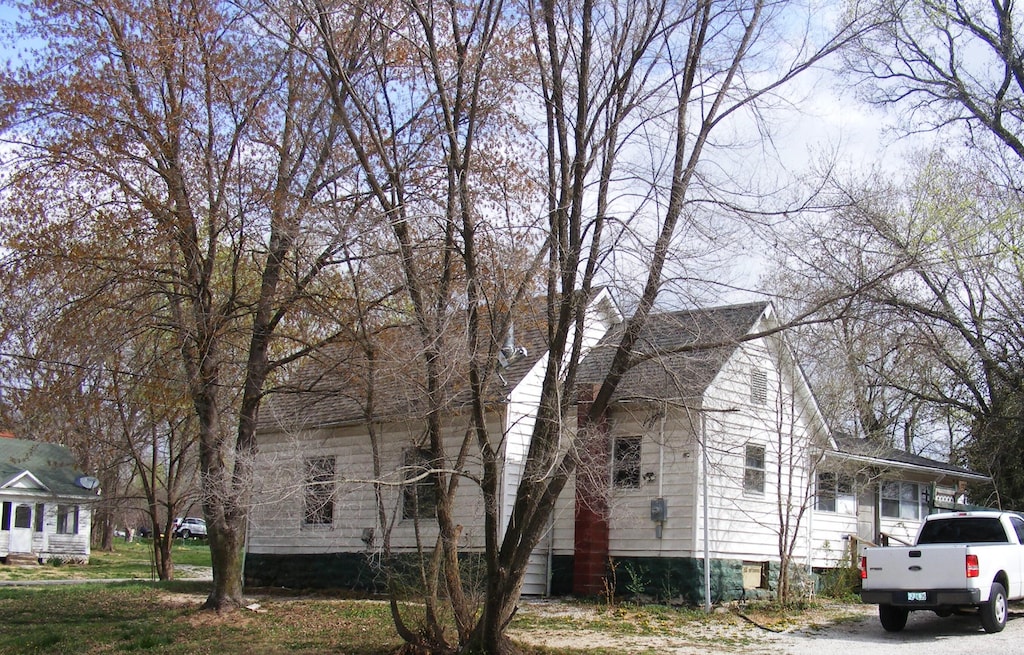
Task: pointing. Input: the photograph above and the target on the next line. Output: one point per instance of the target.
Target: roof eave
(889, 463)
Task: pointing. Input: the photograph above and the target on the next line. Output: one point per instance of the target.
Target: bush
(842, 583)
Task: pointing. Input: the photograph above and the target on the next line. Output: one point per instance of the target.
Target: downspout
(659, 528)
(812, 467)
(704, 493)
(661, 452)
(551, 555)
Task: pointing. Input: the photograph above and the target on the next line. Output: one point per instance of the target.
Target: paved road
(44, 583)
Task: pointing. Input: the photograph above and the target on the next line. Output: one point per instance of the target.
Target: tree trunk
(162, 555)
(226, 556)
(490, 636)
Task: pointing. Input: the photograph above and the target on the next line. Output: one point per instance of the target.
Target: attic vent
(758, 386)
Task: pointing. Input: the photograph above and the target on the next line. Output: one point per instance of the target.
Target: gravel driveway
(925, 634)
(843, 630)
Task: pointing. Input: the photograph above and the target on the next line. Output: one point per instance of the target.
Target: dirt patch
(182, 600)
(731, 629)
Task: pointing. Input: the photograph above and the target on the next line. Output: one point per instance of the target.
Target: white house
(718, 459)
(715, 446)
(46, 503)
(315, 520)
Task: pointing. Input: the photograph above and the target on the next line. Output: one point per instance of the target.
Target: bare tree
(109, 393)
(947, 64)
(936, 345)
(422, 89)
(956, 68)
(169, 147)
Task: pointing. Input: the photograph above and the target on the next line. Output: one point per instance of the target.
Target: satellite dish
(88, 482)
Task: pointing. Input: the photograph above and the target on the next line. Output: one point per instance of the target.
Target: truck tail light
(972, 566)
(863, 567)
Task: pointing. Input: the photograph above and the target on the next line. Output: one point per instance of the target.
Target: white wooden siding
(668, 469)
(744, 524)
(830, 542)
(277, 525)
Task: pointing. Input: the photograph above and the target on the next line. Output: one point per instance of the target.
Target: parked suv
(190, 527)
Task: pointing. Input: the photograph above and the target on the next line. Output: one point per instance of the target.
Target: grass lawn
(129, 560)
(144, 616)
(165, 618)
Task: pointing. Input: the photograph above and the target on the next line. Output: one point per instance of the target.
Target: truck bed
(917, 567)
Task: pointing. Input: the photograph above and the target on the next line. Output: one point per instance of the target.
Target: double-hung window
(835, 493)
(901, 500)
(319, 496)
(626, 463)
(753, 469)
(419, 499)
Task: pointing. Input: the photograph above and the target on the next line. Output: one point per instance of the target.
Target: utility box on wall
(659, 509)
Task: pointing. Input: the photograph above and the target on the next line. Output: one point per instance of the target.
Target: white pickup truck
(963, 561)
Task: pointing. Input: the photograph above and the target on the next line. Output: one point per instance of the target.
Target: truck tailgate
(916, 568)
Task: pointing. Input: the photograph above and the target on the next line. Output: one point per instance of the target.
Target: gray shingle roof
(864, 448)
(677, 355)
(331, 387)
(52, 464)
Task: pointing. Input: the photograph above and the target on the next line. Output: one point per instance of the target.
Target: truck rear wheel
(993, 613)
(893, 619)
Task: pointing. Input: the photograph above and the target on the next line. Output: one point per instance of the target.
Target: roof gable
(24, 480)
(678, 354)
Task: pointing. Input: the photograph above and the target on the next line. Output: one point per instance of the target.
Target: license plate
(920, 596)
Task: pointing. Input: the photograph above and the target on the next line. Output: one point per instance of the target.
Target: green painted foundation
(320, 571)
(356, 571)
(677, 580)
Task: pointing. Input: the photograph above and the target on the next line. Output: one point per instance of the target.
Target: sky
(825, 121)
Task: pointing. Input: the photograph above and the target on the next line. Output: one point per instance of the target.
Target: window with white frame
(901, 500)
(835, 493)
(319, 496)
(67, 519)
(753, 469)
(626, 463)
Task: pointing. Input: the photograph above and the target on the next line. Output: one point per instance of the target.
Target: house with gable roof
(712, 446)
(315, 522)
(716, 447)
(46, 503)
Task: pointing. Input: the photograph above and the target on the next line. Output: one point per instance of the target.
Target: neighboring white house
(876, 494)
(46, 503)
(715, 445)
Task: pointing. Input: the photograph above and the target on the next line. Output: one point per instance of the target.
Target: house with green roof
(46, 503)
